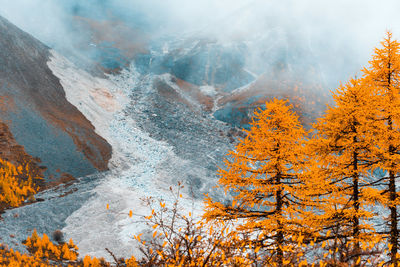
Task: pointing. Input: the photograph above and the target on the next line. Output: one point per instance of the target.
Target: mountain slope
(37, 112)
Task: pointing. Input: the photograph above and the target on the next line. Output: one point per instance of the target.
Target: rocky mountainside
(34, 107)
(11, 151)
(231, 78)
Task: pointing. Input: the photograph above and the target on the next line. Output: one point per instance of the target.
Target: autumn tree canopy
(383, 76)
(263, 176)
(343, 151)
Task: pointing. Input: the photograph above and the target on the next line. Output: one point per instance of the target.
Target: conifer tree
(383, 74)
(343, 150)
(263, 175)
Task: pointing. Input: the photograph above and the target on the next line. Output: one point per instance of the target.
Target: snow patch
(208, 90)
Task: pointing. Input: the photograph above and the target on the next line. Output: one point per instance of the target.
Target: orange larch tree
(13, 189)
(383, 74)
(342, 147)
(263, 175)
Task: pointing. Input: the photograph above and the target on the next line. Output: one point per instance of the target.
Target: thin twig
(112, 254)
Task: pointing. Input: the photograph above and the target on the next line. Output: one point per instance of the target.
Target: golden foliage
(13, 189)
(9, 257)
(383, 76)
(263, 174)
(43, 252)
(43, 248)
(180, 240)
(342, 150)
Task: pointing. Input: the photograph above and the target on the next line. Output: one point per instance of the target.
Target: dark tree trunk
(356, 205)
(279, 234)
(394, 232)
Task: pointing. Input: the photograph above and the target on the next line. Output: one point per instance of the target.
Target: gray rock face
(200, 62)
(285, 67)
(37, 112)
(245, 73)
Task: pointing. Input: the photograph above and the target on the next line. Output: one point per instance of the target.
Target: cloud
(341, 34)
